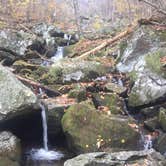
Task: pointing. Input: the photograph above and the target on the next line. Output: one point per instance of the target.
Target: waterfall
(44, 123)
(45, 154)
(68, 38)
(58, 54)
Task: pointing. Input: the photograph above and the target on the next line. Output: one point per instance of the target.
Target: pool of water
(35, 155)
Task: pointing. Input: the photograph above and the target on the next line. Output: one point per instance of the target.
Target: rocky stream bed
(58, 109)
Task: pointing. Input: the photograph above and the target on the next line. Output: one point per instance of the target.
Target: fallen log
(108, 42)
(48, 91)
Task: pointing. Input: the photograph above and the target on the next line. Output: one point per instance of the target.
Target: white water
(42, 154)
(44, 123)
(45, 154)
(58, 55)
(67, 37)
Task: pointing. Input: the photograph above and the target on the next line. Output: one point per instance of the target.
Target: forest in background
(85, 16)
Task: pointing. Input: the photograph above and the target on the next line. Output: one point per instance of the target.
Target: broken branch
(108, 42)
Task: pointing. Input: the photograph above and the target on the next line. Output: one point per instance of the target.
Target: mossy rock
(162, 118)
(110, 100)
(88, 130)
(154, 64)
(79, 93)
(74, 70)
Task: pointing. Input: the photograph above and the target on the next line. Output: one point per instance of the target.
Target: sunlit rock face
(15, 98)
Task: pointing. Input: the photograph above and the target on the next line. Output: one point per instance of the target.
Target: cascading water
(68, 38)
(45, 154)
(58, 54)
(44, 123)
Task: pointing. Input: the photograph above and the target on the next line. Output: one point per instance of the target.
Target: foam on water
(42, 154)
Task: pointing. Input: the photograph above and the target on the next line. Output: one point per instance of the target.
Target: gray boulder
(88, 130)
(147, 88)
(143, 41)
(10, 149)
(139, 158)
(68, 70)
(15, 98)
(15, 41)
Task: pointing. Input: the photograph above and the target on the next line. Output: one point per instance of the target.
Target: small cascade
(147, 141)
(45, 153)
(44, 123)
(68, 38)
(58, 54)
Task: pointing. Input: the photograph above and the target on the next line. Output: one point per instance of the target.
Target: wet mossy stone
(74, 70)
(88, 130)
(110, 100)
(78, 93)
(162, 118)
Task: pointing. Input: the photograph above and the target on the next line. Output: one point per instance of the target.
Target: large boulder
(68, 70)
(10, 149)
(89, 130)
(148, 88)
(143, 41)
(15, 41)
(15, 98)
(132, 158)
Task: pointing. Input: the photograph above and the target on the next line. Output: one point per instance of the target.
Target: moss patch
(162, 118)
(153, 62)
(88, 130)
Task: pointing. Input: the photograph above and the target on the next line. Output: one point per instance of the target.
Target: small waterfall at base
(45, 154)
(68, 38)
(58, 54)
(44, 123)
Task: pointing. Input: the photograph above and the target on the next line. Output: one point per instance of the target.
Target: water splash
(42, 154)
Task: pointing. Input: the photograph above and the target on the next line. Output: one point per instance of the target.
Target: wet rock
(162, 118)
(56, 109)
(160, 144)
(110, 100)
(152, 123)
(7, 58)
(87, 129)
(148, 88)
(150, 112)
(150, 157)
(10, 149)
(69, 70)
(16, 98)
